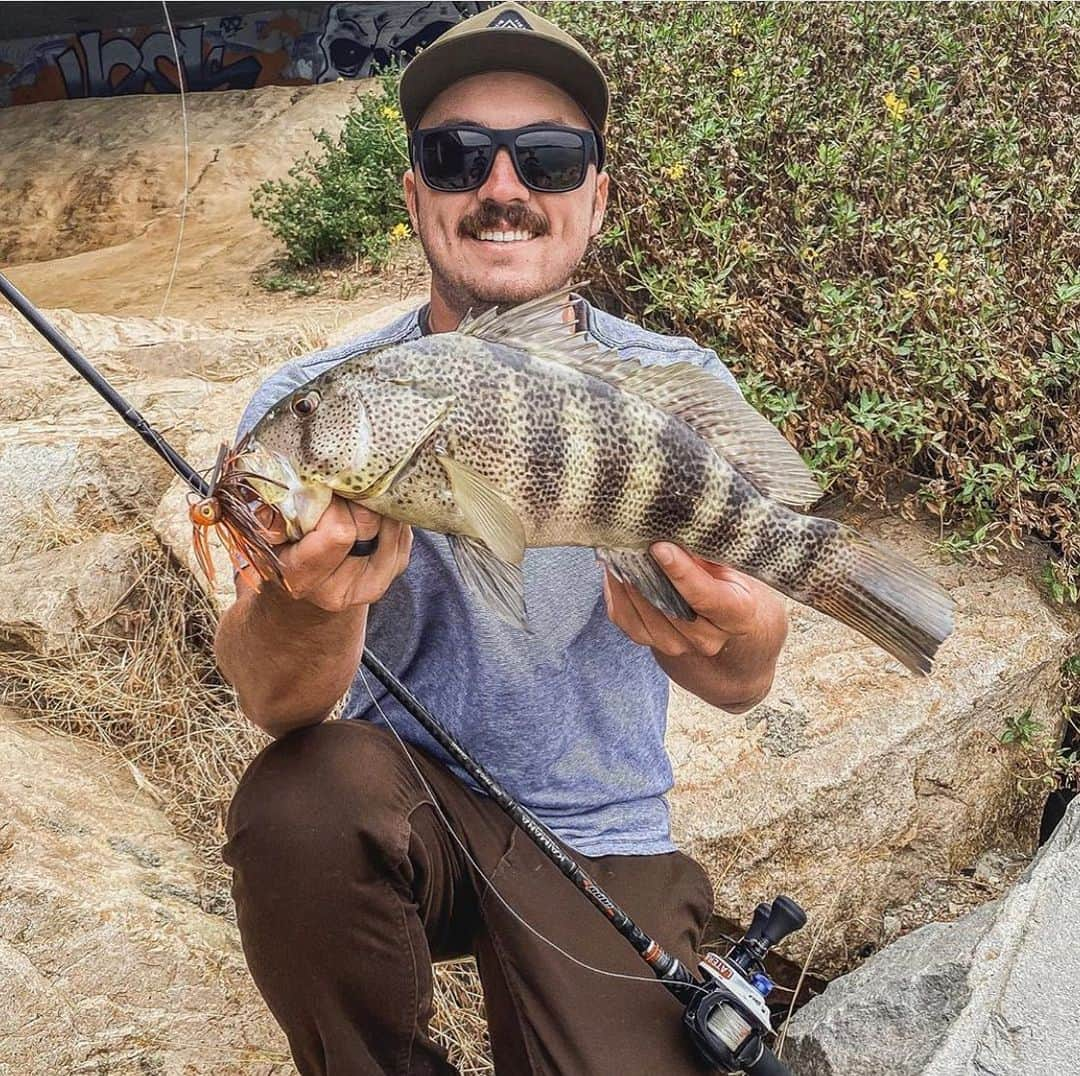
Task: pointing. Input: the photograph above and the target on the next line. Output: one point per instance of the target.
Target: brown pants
(347, 886)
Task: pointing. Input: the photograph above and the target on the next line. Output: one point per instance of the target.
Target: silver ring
(364, 547)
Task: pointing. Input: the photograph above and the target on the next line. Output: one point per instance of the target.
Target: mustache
(495, 216)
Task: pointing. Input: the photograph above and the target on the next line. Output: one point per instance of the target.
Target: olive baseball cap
(507, 37)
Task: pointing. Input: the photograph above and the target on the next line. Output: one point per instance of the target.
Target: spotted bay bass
(516, 430)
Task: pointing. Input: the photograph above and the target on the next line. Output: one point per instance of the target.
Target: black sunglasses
(547, 157)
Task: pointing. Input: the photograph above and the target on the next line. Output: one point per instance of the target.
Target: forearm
(741, 674)
(289, 661)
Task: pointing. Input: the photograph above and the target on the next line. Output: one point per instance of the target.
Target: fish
(517, 430)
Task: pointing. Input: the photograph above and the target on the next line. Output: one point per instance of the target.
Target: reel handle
(785, 918)
(767, 1064)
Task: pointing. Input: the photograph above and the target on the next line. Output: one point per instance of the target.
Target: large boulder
(50, 600)
(69, 465)
(109, 962)
(860, 790)
(991, 993)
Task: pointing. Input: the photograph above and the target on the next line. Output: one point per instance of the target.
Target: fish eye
(305, 405)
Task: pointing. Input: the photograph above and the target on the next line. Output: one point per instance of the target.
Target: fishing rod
(725, 1011)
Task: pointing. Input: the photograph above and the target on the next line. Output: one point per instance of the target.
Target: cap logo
(509, 20)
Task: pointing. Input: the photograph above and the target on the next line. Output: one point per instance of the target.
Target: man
(347, 878)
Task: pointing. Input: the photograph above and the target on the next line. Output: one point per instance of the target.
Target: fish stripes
(614, 466)
(511, 434)
(680, 486)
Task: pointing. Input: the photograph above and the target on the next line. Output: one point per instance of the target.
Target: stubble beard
(462, 294)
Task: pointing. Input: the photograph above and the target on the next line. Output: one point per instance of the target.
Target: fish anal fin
(714, 409)
(498, 583)
(638, 568)
(486, 511)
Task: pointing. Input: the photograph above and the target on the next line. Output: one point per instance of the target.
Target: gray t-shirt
(571, 718)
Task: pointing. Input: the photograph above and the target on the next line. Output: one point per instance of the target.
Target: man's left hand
(727, 655)
(725, 600)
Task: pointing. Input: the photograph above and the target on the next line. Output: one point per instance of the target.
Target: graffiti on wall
(105, 67)
(287, 46)
(358, 38)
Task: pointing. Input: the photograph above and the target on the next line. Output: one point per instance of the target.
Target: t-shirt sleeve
(710, 361)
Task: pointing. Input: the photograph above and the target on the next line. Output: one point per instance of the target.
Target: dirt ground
(91, 194)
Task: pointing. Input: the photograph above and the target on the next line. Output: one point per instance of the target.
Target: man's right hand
(291, 654)
(320, 570)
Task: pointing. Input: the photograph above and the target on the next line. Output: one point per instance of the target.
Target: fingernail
(664, 554)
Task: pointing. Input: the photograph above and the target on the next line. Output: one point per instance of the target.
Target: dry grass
(459, 1022)
(154, 695)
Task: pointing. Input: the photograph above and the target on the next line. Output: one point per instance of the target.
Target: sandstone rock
(69, 465)
(47, 599)
(860, 790)
(66, 479)
(990, 994)
(109, 963)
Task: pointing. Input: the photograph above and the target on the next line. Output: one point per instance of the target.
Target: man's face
(470, 271)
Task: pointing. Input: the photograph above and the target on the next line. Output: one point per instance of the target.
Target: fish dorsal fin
(712, 407)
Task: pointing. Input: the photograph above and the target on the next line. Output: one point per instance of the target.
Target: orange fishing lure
(229, 509)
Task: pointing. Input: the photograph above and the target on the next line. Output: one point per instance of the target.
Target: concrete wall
(236, 49)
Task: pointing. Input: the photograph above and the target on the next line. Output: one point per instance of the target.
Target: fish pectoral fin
(486, 512)
(498, 583)
(638, 568)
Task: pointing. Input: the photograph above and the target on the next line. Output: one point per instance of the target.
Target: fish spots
(683, 478)
(614, 467)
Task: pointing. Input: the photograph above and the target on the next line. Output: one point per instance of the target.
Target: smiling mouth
(505, 237)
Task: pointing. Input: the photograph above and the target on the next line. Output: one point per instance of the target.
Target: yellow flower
(675, 171)
(950, 291)
(907, 295)
(941, 263)
(912, 74)
(895, 106)
(738, 72)
(398, 232)
(808, 254)
(390, 113)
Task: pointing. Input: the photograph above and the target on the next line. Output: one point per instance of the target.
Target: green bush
(345, 200)
(871, 212)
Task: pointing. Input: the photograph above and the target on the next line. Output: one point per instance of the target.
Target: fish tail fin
(890, 601)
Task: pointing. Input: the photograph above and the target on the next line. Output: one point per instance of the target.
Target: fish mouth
(276, 481)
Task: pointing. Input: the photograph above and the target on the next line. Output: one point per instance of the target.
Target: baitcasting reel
(729, 1020)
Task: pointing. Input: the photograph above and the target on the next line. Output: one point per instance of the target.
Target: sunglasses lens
(551, 160)
(455, 160)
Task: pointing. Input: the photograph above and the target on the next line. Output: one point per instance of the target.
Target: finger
(404, 549)
(362, 580)
(720, 594)
(378, 570)
(621, 611)
(666, 632)
(314, 558)
(366, 521)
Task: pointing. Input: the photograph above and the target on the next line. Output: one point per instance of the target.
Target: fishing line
(187, 156)
(487, 881)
